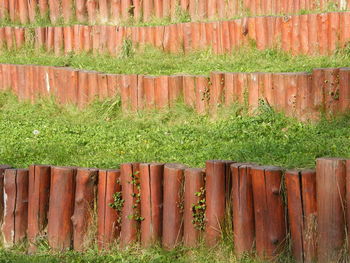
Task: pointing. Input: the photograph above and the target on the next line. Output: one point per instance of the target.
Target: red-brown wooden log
(331, 196)
(318, 86)
(189, 90)
(215, 196)
(130, 174)
(67, 8)
(175, 88)
(147, 10)
(216, 89)
(83, 207)
(344, 37)
(2, 173)
(305, 101)
(149, 88)
(344, 91)
(15, 224)
(243, 208)
(38, 202)
(162, 92)
(80, 10)
(173, 199)
(269, 214)
(194, 183)
(43, 7)
(108, 217)
(103, 11)
(61, 207)
(202, 94)
(333, 31)
(92, 8)
(301, 190)
(348, 194)
(54, 7)
(151, 181)
(23, 11)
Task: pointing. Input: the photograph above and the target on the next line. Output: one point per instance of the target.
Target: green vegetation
(101, 136)
(180, 17)
(222, 253)
(155, 62)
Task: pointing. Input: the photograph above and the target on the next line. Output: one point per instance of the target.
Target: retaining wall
(302, 95)
(171, 204)
(300, 34)
(115, 11)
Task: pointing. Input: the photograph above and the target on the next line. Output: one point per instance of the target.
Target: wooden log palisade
(172, 205)
(300, 94)
(115, 11)
(311, 34)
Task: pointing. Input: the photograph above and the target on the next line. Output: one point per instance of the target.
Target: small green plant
(127, 50)
(135, 181)
(198, 210)
(118, 203)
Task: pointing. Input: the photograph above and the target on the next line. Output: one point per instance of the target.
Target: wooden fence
(116, 11)
(299, 34)
(302, 95)
(171, 204)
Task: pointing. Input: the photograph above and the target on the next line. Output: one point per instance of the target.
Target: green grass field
(154, 62)
(101, 136)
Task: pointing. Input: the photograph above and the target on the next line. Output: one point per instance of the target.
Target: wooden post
(38, 202)
(15, 224)
(130, 180)
(331, 196)
(2, 173)
(193, 217)
(270, 225)
(173, 199)
(108, 216)
(243, 208)
(301, 190)
(151, 181)
(83, 207)
(215, 200)
(61, 207)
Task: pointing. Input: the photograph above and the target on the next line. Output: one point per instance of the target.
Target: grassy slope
(102, 137)
(155, 62)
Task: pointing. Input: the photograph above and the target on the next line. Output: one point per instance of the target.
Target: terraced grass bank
(101, 136)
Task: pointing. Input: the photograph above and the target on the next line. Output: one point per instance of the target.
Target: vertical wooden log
(91, 7)
(215, 195)
(15, 224)
(173, 199)
(83, 207)
(301, 189)
(38, 202)
(243, 208)
(331, 90)
(151, 180)
(270, 225)
(149, 88)
(108, 217)
(61, 207)
(80, 10)
(130, 174)
(54, 6)
(331, 196)
(194, 184)
(162, 92)
(175, 88)
(344, 91)
(2, 173)
(67, 9)
(23, 11)
(202, 92)
(43, 8)
(216, 89)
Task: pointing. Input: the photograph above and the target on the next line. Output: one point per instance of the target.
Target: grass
(181, 17)
(223, 253)
(101, 136)
(154, 62)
